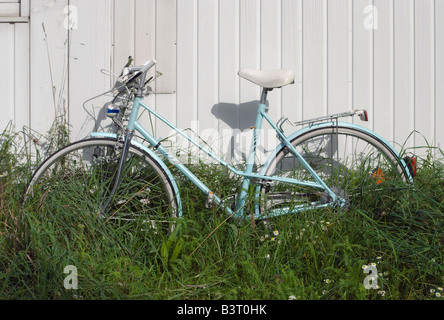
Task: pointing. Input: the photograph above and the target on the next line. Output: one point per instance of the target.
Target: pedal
(230, 201)
(210, 200)
(265, 183)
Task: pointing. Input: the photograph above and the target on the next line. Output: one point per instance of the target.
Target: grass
(315, 255)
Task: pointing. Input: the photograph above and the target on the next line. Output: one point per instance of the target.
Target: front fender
(156, 158)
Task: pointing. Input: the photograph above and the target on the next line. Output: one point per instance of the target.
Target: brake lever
(148, 81)
(152, 78)
(130, 61)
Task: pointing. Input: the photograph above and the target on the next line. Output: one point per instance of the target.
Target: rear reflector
(363, 115)
(411, 165)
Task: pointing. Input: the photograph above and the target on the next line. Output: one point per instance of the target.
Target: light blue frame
(248, 174)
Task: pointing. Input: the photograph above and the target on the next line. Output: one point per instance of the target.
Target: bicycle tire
(81, 175)
(350, 181)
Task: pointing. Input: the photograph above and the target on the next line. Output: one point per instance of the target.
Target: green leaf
(177, 250)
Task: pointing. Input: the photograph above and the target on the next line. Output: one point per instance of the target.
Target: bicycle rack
(362, 114)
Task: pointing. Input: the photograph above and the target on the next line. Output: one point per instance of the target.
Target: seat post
(264, 95)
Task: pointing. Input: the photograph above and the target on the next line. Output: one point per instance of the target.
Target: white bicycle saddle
(268, 79)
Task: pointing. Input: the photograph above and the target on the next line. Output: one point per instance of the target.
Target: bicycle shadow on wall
(101, 121)
(234, 128)
(235, 122)
(96, 118)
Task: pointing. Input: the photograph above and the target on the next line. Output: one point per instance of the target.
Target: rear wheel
(353, 164)
(79, 178)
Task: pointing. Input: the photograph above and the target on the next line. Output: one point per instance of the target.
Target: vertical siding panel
(404, 71)
(439, 73)
(362, 60)
(271, 49)
(21, 91)
(250, 51)
(42, 101)
(249, 58)
(271, 58)
(208, 58)
(165, 45)
(424, 72)
(250, 35)
(24, 8)
(228, 51)
(292, 57)
(315, 68)
(165, 86)
(145, 31)
(271, 34)
(227, 110)
(186, 62)
(338, 56)
(186, 96)
(124, 32)
(350, 73)
(145, 47)
(7, 79)
(90, 51)
(383, 70)
(166, 105)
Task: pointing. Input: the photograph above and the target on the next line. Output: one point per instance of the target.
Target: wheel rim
(349, 162)
(79, 178)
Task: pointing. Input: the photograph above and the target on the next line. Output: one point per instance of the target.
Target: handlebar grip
(148, 65)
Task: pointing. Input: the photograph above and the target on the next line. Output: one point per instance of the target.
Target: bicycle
(325, 164)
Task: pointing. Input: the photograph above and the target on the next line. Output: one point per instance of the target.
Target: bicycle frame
(247, 174)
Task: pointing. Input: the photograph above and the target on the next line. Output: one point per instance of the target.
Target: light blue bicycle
(326, 163)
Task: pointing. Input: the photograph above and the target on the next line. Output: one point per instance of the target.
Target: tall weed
(318, 254)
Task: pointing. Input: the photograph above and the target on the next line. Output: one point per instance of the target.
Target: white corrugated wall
(14, 63)
(383, 55)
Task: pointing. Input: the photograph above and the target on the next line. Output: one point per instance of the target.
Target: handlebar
(143, 72)
(143, 68)
(129, 74)
(148, 65)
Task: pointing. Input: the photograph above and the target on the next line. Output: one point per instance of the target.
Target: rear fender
(332, 125)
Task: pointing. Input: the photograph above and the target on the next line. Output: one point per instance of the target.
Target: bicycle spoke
(83, 175)
(352, 165)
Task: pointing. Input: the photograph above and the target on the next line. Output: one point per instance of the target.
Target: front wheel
(79, 178)
(353, 164)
